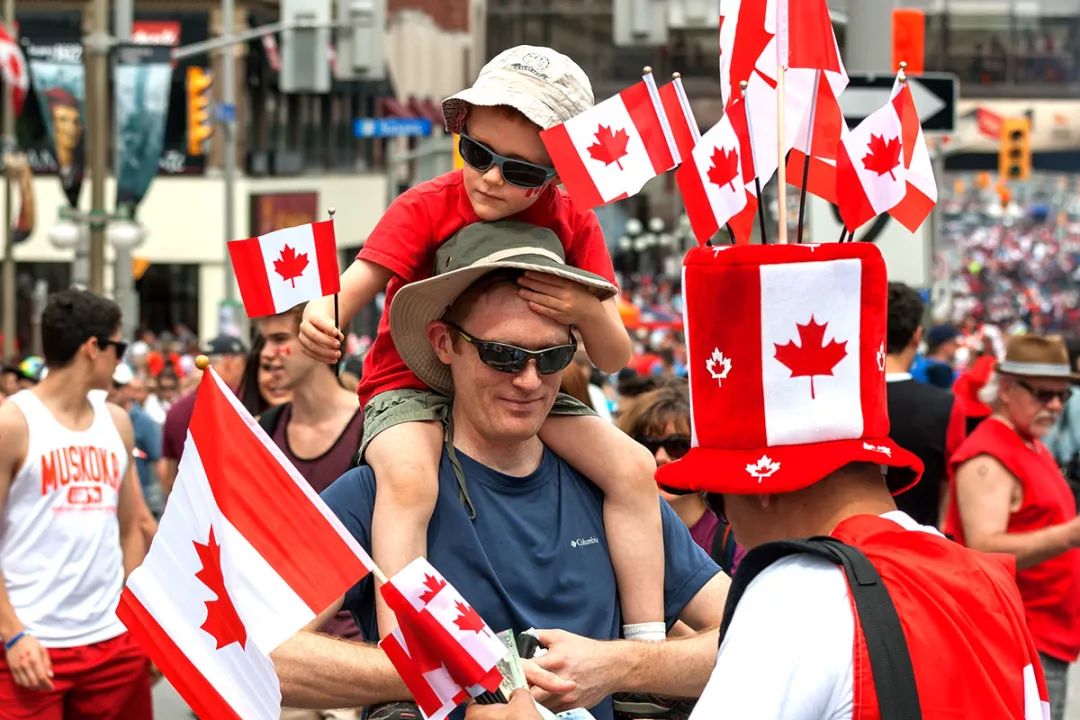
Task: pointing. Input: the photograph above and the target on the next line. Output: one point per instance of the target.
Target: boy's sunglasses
(675, 446)
(512, 359)
(516, 172)
(120, 345)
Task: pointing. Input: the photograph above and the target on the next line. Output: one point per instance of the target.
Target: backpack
(890, 660)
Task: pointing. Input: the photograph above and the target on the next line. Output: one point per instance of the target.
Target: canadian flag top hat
(786, 352)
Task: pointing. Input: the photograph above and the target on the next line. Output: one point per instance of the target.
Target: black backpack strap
(890, 660)
(268, 420)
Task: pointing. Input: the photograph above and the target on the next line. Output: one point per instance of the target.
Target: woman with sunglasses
(660, 420)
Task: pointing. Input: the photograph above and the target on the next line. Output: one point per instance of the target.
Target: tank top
(1051, 589)
(59, 533)
(323, 469)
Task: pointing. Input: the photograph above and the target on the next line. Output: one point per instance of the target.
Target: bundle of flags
(247, 554)
(610, 151)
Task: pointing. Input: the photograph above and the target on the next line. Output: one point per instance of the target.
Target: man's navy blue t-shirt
(535, 556)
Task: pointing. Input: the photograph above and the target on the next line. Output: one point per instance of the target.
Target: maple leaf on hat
(813, 357)
(290, 264)
(884, 156)
(763, 468)
(725, 167)
(469, 619)
(222, 621)
(609, 147)
(433, 585)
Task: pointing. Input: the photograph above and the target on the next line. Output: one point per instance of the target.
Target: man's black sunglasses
(516, 172)
(120, 345)
(512, 359)
(1044, 396)
(676, 446)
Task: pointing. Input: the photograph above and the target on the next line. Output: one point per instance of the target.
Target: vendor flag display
(246, 554)
(609, 152)
(456, 643)
(284, 268)
(870, 176)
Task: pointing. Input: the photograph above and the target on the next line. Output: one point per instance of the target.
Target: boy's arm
(606, 339)
(359, 285)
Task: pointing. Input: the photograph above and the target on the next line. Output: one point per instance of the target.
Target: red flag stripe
(203, 698)
(326, 256)
(872, 328)
(684, 134)
(913, 209)
(247, 260)
(696, 200)
(811, 41)
(855, 207)
(822, 175)
(297, 550)
(411, 675)
(572, 171)
(909, 122)
(643, 113)
(743, 223)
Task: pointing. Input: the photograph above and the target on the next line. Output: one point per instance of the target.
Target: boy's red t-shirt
(405, 240)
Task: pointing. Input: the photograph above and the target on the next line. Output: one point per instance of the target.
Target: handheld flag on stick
(246, 554)
(284, 268)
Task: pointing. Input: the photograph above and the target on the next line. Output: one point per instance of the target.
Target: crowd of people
(812, 508)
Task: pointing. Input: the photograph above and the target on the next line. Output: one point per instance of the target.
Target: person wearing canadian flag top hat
(786, 348)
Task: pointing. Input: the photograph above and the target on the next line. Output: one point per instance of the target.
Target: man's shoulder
(181, 410)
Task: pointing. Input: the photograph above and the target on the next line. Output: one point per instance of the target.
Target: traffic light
(200, 123)
(1014, 162)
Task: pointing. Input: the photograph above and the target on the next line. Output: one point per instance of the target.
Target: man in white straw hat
(1009, 496)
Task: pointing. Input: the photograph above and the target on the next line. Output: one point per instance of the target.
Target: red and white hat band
(783, 353)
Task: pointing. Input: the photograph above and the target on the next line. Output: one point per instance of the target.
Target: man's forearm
(679, 668)
(323, 672)
(1030, 548)
(9, 621)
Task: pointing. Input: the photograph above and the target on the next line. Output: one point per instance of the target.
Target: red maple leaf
(289, 265)
(433, 586)
(725, 167)
(609, 147)
(469, 619)
(222, 621)
(884, 157)
(813, 357)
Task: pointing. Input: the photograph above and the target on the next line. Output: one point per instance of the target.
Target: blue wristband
(8, 644)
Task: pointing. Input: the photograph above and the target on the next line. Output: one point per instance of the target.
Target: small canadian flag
(284, 268)
(609, 152)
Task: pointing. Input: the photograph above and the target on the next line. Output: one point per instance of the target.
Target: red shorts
(109, 679)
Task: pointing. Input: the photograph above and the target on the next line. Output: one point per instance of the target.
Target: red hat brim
(799, 466)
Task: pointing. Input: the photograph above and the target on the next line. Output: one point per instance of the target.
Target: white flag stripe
(244, 677)
(724, 200)
(665, 125)
(485, 648)
(791, 295)
(308, 284)
(761, 117)
(886, 189)
(610, 180)
(1034, 707)
(305, 487)
(412, 581)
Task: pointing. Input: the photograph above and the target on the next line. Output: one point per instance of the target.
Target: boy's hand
(566, 301)
(320, 339)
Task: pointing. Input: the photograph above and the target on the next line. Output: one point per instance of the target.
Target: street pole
(8, 284)
(228, 129)
(123, 277)
(97, 72)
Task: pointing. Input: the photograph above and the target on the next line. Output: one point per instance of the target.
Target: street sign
(225, 112)
(935, 97)
(391, 127)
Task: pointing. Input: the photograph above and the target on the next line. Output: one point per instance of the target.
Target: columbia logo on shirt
(582, 542)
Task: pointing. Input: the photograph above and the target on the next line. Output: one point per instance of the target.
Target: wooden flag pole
(806, 160)
(753, 153)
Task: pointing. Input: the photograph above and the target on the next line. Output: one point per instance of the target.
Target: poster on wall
(273, 211)
(59, 80)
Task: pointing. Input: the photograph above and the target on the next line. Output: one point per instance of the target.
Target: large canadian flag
(431, 609)
(609, 152)
(286, 267)
(921, 194)
(246, 554)
(870, 176)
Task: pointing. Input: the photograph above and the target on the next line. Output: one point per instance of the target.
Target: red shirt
(963, 621)
(1051, 589)
(420, 220)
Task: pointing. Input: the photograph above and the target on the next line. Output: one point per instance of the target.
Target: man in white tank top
(70, 515)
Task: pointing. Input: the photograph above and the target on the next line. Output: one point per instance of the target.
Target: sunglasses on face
(516, 172)
(1044, 396)
(120, 345)
(512, 359)
(674, 445)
